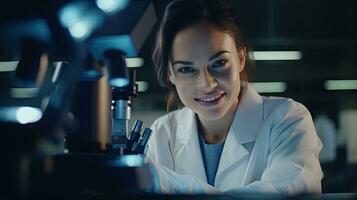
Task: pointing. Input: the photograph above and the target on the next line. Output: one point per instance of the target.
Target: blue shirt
(211, 154)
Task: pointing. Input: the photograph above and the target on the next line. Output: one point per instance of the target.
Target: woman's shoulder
(287, 118)
(166, 126)
(281, 107)
(272, 106)
(171, 119)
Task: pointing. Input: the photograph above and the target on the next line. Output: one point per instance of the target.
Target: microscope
(72, 89)
(123, 89)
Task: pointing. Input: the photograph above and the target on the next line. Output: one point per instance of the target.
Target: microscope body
(97, 158)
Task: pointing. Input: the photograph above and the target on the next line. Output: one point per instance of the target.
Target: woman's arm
(292, 163)
(170, 182)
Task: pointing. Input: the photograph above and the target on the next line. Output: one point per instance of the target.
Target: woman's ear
(171, 78)
(242, 55)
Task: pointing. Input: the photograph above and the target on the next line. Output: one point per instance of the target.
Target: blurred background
(305, 50)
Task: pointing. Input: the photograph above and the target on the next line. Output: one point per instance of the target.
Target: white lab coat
(271, 146)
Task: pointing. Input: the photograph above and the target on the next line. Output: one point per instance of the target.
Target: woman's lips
(210, 100)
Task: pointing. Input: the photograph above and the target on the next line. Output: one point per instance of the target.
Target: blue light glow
(128, 161)
(70, 13)
(78, 30)
(90, 75)
(121, 42)
(133, 161)
(112, 5)
(80, 18)
(119, 82)
(25, 115)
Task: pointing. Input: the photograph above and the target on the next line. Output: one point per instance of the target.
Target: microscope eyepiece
(137, 126)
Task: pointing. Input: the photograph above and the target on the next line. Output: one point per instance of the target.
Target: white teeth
(210, 98)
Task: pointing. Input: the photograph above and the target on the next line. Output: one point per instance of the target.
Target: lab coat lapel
(188, 152)
(232, 153)
(244, 129)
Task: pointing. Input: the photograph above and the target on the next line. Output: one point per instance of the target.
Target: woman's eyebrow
(191, 63)
(217, 54)
(182, 62)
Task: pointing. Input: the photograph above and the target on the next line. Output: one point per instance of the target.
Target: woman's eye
(219, 63)
(186, 70)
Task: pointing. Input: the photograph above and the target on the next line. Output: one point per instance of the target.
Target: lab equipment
(141, 148)
(135, 135)
(55, 108)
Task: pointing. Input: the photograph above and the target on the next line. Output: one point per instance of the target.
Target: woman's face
(205, 69)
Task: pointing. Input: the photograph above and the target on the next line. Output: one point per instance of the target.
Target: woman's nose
(206, 82)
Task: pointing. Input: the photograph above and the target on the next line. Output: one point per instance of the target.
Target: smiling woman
(222, 19)
(224, 136)
(206, 58)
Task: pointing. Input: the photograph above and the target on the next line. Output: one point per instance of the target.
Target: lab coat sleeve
(169, 182)
(292, 162)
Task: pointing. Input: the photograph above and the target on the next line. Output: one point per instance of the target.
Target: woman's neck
(215, 131)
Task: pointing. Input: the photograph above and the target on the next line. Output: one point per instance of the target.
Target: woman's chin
(210, 114)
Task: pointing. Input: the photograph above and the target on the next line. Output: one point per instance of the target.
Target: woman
(224, 136)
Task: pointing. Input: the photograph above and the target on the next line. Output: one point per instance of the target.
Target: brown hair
(180, 14)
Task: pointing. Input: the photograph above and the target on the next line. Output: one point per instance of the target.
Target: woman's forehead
(201, 39)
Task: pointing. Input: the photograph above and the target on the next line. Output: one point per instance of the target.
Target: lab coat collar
(244, 128)
(249, 115)
(187, 148)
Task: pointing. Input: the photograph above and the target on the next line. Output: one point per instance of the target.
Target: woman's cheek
(186, 83)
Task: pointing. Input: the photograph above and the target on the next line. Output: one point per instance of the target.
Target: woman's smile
(211, 100)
